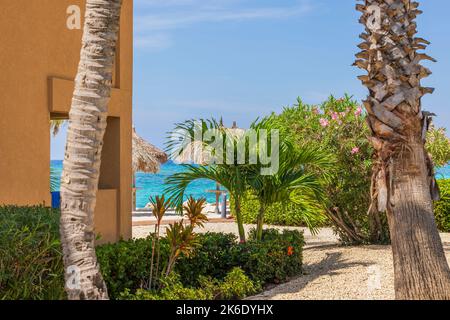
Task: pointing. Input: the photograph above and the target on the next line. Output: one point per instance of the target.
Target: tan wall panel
(39, 57)
(61, 92)
(106, 222)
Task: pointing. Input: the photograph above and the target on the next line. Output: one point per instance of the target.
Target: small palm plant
(194, 212)
(293, 182)
(159, 207)
(182, 240)
(230, 177)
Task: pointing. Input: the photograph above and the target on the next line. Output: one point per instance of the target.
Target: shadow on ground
(331, 265)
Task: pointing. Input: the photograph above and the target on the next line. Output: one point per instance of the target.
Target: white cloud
(153, 42)
(153, 30)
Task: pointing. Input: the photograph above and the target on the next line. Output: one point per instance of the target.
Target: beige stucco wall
(39, 58)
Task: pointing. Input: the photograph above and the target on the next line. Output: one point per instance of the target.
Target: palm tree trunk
(239, 220)
(260, 222)
(152, 258)
(404, 182)
(87, 124)
(158, 252)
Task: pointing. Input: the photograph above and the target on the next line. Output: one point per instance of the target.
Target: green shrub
(338, 126)
(31, 266)
(279, 214)
(236, 285)
(211, 258)
(273, 260)
(126, 265)
(442, 207)
(172, 289)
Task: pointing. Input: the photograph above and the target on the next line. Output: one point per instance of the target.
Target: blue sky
(241, 59)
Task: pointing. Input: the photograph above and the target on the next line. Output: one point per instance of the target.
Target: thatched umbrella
(146, 158)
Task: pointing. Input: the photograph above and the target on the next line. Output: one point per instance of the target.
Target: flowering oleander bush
(339, 127)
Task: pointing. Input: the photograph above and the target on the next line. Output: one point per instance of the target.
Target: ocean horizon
(150, 185)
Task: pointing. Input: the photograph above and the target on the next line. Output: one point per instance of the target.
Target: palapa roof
(146, 157)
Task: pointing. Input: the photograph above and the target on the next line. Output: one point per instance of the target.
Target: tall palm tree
(87, 124)
(404, 185)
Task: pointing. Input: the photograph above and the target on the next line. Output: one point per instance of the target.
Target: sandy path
(331, 271)
(334, 272)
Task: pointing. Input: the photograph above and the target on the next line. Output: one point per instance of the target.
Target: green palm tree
(293, 182)
(230, 174)
(231, 177)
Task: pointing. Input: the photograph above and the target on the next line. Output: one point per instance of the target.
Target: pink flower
(334, 116)
(343, 114)
(324, 122)
(355, 150)
(358, 111)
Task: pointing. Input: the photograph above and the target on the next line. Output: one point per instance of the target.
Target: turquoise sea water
(153, 184)
(150, 185)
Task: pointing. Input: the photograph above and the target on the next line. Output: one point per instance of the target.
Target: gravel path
(331, 271)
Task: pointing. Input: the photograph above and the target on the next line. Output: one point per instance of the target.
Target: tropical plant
(283, 214)
(292, 182)
(338, 126)
(159, 207)
(442, 207)
(194, 211)
(438, 145)
(403, 175)
(187, 144)
(31, 266)
(87, 124)
(182, 240)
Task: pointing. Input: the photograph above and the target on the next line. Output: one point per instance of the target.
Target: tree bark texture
(87, 125)
(403, 185)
